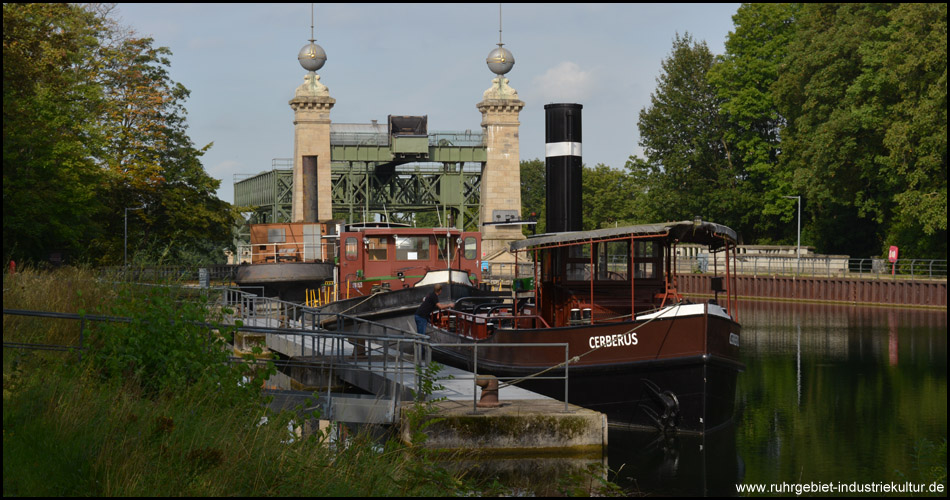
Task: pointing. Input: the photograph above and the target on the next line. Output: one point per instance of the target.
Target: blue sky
(240, 63)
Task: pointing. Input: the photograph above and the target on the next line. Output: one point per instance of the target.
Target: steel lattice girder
(271, 192)
(359, 188)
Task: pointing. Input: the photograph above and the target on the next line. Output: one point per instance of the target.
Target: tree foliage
(93, 124)
(608, 196)
(50, 105)
(610, 202)
(743, 78)
(864, 93)
(688, 170)
(533, 195)
(841, 104)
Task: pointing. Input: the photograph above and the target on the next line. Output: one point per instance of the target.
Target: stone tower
(501, 175)
(311, 105)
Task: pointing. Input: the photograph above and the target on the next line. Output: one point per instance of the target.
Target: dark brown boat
(638, 351)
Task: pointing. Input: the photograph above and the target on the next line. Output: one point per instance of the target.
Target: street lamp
(798, 251)
(126, 245)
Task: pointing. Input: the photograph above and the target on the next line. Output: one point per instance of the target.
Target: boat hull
(676, 373)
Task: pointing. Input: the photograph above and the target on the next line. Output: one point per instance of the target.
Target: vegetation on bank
(154, 409)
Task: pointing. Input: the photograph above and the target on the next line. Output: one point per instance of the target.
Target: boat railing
(480, 325)
(541, 374)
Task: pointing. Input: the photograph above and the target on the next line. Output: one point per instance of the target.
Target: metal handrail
(819, 266)
(401, 351)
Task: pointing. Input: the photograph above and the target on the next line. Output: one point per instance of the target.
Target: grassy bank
(152, 410)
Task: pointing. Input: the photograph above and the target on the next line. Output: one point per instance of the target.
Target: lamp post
(126, 244)
(798, 251)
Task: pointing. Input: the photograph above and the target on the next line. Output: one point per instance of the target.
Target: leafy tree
(93, 124)
(50, 106)
(688, 170)
(864, 92)
(153, 163)
(608, 197)
(914, 63)
(533, 194)
(743, 78)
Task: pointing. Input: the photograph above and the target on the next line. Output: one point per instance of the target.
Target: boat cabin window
(351, 248)
(412, 248)
(648, 258)
(612, 260)
(471, 248)
(276, 235)
(376, 247)
(578, 263)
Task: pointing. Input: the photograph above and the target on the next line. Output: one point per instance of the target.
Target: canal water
(831, 394)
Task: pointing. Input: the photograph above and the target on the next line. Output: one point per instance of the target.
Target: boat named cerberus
(638, 351)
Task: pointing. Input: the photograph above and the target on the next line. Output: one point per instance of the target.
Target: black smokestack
(562, 161)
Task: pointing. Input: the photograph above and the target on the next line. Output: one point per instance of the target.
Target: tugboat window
(376, 248)
(351, 248)
(612, 261)
(578, 263)
(649, 259)
(412, 248)
(471, 248)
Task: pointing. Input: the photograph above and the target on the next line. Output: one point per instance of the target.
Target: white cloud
(565, 82)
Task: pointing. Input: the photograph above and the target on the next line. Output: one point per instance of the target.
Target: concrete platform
(526, 424)
(517, 428)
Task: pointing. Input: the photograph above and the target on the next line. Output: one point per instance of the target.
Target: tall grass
(128, 428)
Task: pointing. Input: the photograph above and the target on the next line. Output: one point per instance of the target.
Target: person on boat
(428, 305)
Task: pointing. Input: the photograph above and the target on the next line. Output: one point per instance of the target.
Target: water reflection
(654, 464)
(831, 393)
(865, 386)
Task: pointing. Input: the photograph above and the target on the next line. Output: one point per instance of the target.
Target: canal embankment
(122, 425)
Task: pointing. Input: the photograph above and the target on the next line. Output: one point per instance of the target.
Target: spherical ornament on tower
(312, 57)
(500, 60)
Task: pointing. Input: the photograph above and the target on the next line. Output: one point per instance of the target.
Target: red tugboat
(377, 257)
(638, 351)
(387, 270)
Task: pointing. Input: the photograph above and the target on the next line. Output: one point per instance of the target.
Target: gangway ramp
(386, 363)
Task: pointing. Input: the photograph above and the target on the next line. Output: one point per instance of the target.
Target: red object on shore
(892, 256)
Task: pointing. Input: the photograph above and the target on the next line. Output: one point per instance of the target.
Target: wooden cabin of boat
(293, 242)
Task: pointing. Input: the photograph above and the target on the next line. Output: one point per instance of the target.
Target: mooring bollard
(489, 385)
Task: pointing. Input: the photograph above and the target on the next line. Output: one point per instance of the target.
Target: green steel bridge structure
(397, 177)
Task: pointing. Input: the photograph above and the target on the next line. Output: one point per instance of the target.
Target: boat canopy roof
(704, 233)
